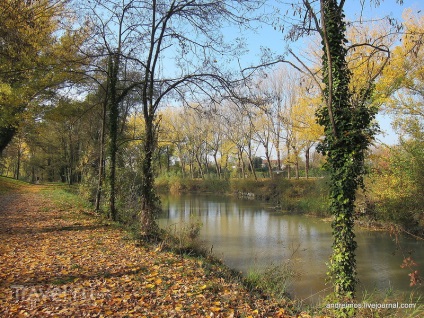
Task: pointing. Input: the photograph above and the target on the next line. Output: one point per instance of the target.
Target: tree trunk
(199, 163)
(252, 167)
(218, 168)
(348, 134)
(249, 157)
(18, 163)
(168, 159)
(288, 162)
(307, 158)
(149, 200)
(297, 168)
(268, 159)
(277, 149)
(113, 132)
(100, 176)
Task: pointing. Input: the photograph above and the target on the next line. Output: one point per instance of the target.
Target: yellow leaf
(216, 309)
(117, 300)
(203, 287)
(280, 312)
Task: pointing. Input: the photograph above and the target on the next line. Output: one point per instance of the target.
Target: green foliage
(36, 56)
(396, 185)
(397, 180)
(348, 131)
(65, 197)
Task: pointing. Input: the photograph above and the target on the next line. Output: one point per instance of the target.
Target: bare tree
(178, 50)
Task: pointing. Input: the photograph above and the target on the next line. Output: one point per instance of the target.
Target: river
(247, 234)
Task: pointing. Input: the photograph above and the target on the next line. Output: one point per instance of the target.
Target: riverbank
(298, 196)
(59, 259)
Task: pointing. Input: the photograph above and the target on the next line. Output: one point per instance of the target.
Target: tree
(187, 33)
(239, 132)
(348, 121)
(347, 136)
(308, 132)
(215, 140)
(172, 130)
(38, 55)
(263, 127)
(204, 18)
(110, 39)
(401, 87)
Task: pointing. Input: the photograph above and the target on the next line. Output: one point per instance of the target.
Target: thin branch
(329, 101)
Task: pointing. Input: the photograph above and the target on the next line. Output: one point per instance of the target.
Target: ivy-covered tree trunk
(149, 200)
(113, 131)
(348, 132)
(100, 176)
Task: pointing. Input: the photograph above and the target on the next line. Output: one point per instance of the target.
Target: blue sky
(267, 37)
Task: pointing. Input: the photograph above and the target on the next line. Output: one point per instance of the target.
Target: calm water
(248, 234)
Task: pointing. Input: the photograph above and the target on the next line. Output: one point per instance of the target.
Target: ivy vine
(348, 128)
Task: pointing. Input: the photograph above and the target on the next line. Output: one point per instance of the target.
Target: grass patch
(274, 280)
(184, 238)
(9, 184)
(65, 197)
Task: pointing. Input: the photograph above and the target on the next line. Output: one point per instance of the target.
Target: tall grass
(275, 280)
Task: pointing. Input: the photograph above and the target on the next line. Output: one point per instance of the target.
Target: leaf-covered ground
(61, 262)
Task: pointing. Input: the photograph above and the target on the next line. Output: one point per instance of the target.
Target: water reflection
(248, 234)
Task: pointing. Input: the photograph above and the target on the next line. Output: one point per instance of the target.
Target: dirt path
(62, 263)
